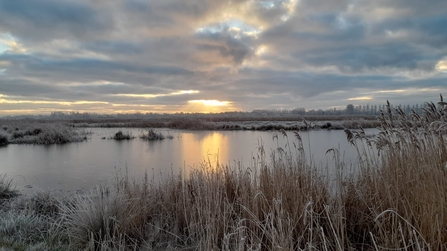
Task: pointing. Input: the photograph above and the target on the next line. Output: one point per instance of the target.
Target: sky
(167, 56)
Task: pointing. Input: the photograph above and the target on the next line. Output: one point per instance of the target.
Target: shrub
(151, 134)
(4, 139)
(121, 136)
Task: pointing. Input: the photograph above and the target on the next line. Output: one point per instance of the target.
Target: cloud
(253, 54)
(41, 20)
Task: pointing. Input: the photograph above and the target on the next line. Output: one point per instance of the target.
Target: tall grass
(402, 194)
(122, 136)
(394, 201)
(152, 134)
(39, 133)
(6, 188)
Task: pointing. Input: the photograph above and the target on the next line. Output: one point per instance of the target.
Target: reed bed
(122, 136)
(152, 134)
(32, 132)
(395, 200)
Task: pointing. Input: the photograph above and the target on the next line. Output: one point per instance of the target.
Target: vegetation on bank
(224, 121)
(241, 123)
(393, 201)
(122, 136)
(13, 132)
(6, 189)
(152, 134)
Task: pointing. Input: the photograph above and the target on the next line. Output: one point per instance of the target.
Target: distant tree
(299, 111)
(350, 109)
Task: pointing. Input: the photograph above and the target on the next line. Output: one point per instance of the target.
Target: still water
(74, 166)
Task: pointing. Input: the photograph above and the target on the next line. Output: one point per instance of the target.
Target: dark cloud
(95, 68)
(49, 19)
(364, 59)
(226, 44)
(23, 87)
(113, 47)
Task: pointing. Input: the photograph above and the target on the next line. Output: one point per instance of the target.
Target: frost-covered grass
(241, 122)
(152, 134)
(122, 136)
(394, 201)
(4, 138)
(6, 188)
(31, 132)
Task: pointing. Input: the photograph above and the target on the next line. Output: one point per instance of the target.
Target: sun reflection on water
(211, 147)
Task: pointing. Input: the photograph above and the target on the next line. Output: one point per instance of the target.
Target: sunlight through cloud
(442, 66)
(236, 27)
(8, 42)
(212, 102)
(134, 95)
(47, 102)
(360, 98)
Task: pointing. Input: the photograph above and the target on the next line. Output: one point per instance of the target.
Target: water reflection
(85, 164)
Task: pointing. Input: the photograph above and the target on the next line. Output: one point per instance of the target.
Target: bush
(152, 135)
(3, 139)
(121, 136)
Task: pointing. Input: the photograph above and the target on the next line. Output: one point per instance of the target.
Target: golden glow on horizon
(212, 102)
(44, 102)
(360, 98)
(208, 106)
(409, 90)
(392, 91)
(139, 105)
(133, 95)
(26, 106)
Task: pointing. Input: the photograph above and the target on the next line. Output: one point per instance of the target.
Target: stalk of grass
(6, 188)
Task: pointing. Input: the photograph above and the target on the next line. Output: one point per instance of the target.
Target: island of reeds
(394, 199)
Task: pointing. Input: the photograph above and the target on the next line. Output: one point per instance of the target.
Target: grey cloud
(306, 85)
(87, 66)
(307, 7)
(427, 30)
(113, 47)
(361, 47)
(364, 58)
(226, 44)
(23, 87)
(155, 47)
(48, 19)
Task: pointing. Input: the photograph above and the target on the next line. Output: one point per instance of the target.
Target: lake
(83, 165)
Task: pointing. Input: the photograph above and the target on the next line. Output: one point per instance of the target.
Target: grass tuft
(6, 188)
(122, 136)
(152, 134)
(4, 139)
(39, 133)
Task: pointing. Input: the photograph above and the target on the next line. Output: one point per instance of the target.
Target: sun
(209, 105)
(210, 102)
